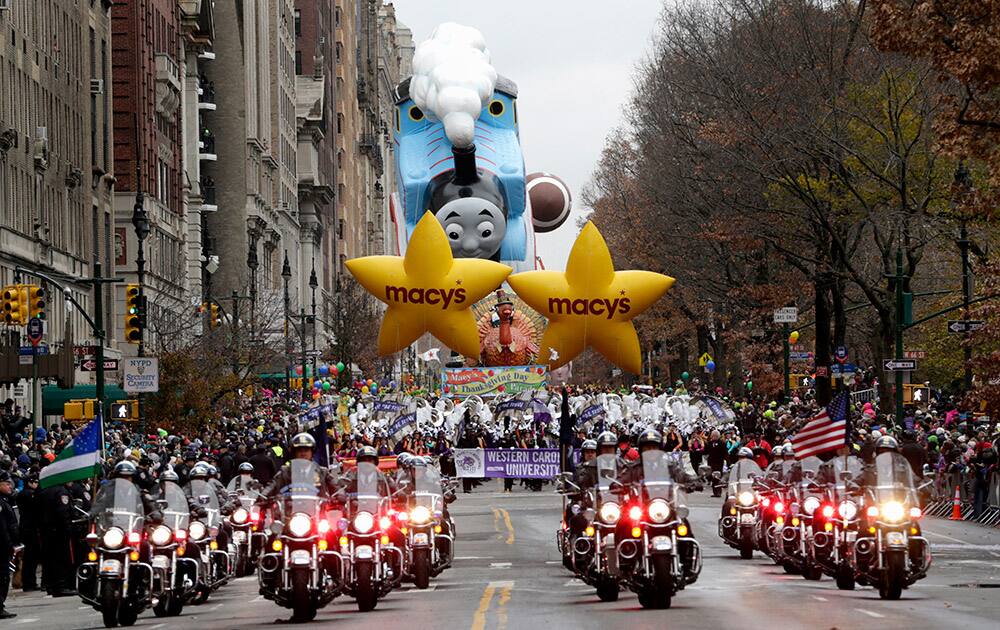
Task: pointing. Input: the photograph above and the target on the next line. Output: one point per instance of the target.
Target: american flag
(826, 432)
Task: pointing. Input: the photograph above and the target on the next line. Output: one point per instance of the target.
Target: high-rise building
(56, 162)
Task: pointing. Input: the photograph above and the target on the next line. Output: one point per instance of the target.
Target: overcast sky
(573, 62)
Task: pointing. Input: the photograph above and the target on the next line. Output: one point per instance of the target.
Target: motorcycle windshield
(658, 478)
(810, 467)
(176, 514)
(893, 478)
(845, 469)
(607, 473)
(118, 504)
(244, 485)
(204, 496)
(742, 476)
(427, 492)
(369, 493)
(303, 493)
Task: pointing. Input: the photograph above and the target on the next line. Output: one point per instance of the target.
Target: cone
(956, 506)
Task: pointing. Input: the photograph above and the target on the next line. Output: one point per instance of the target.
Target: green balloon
(326, 387)
(340, 366)
(685, 376)
(749, 385)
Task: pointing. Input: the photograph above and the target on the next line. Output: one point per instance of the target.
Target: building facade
(56, 157)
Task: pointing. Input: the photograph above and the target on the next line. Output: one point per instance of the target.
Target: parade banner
(504, 463)
(462, 382)
(390, 406)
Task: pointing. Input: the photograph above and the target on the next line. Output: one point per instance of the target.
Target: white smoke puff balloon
(453, 79)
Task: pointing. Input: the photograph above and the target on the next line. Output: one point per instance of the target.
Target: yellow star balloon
(590, 304)
(428, 290)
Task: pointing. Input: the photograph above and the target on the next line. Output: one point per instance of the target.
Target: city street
(508, 575)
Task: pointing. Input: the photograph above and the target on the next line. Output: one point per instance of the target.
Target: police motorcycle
(600, 538)
(300, 571)
(174, 574)
(650, 554)
(368, 554)
(204, 533)
(577, 516)
(246, 521)
(427, 526)
(117, 578)
(806, 498)
(890, 552)
(739, 524)
(835, 525)
(779, 503)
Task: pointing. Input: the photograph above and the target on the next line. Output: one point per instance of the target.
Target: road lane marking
(469, 558)
(502, 606)
(500, 565)
(959, 541)
(27, 620)
(510, 527)
(159, 625)
(496, 523)
(820, 599)
(479, 618)
(965, 546)
(870, 613)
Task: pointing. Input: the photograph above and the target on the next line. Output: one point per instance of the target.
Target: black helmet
(124, 469)
(246, 467)
(744, 452)
(650, 436)
(199, 470)
(303, 440)
(367, 453)
(588, 445)
(886, 443)
(169, 475)
(607, 439)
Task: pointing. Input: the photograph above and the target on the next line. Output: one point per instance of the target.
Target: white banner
(141, 374)
(469, 462)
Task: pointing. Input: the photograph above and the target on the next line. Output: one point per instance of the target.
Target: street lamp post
(313, 283)
(252, 265)
(963, 184)
(286, 275)
(140, 221)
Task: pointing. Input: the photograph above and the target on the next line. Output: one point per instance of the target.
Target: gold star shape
(428, 290)
(586, 306)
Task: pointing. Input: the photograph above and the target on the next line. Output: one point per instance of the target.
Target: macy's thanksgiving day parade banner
(462, 382)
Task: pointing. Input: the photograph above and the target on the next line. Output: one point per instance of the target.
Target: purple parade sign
(521, 463)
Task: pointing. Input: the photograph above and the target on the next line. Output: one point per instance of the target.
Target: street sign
(821, 370)
(915, 354)
(846, 368)
(30, 350)
(90, 365)
(141, 374)
(704, 359)
(899, 365)
(786, 315)
(840, 354)
(35, 329)
(84, 351)
(25, 359)
(959, 326)
(799, 356)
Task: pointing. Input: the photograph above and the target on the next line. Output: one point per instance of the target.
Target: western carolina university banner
(490, 381)
(517, 463)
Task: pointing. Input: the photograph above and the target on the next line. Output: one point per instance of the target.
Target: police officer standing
(56, 508)
(27, 506)
(10, 542)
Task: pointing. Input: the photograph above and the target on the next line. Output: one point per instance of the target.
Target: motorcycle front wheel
(421, 568)
(895, 574)
(162, 607)
(660, 592)
(607, 590)
(746, 547)
(302, 608)
(128, 614)
(110, 602)
(365, 590)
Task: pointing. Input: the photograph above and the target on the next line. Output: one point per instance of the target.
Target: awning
(54, 397)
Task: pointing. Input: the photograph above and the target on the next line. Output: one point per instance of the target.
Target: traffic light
(213, 318)
(125, 410)
(80, 409)
(133, 321)
(15, 305)
(36, 301)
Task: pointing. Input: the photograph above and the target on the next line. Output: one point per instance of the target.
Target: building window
(298, 62)
(340, 50)
(340, 123)
(298, 23)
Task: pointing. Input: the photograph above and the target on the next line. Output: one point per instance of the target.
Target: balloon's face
(475, 227)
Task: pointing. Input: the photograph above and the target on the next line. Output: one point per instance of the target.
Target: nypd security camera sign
(141, 374)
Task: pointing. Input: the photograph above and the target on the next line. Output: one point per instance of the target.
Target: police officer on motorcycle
(742, 455)
(303, 446)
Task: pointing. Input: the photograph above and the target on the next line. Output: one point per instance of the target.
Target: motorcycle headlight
(659, 511)
(161, 535)
(240, 516)
(746, 498)
(420, 515)
(810, 504)
(300, 525)
(847, 510)
(364, 522)
(113, 538)
(893, 511)
(197, 530)
(610, 513)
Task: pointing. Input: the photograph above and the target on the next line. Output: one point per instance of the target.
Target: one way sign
(899, 365)
(959, 326)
